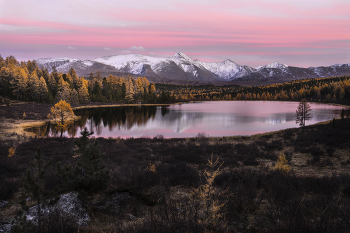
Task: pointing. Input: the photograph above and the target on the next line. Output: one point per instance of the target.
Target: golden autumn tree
(42, 89)
(282, 165)
(61, 114)
(33, 86)
(83, 94)
(152, 89)
(210, 208)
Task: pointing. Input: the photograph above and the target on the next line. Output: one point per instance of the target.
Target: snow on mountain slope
(181, 67)
(56, 59)
(134, 63)
(63, 64)
(274, 65)
(121, 61)
(180, 58)
(228, 69)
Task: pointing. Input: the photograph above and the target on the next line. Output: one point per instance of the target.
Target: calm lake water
(221, 118)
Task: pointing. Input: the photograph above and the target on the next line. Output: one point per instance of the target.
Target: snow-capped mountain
(273, 65)
(180, 67)
(228, 69)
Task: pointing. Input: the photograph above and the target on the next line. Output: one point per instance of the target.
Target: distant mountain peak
(228, 61)
(181, 67)
(273, 65)
(181, 55)
(55, 59)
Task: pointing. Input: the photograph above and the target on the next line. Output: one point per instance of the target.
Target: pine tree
(97, 90)
(34, 184)
(123, 90)
(89, 174)
(74, 77)
(46, 74)
(52, 85)
(63, 88)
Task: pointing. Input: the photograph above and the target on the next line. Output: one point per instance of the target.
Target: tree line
(330, 89)
(199, 92)
(25, 81)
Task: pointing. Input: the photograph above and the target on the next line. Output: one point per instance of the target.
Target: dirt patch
(15, 129)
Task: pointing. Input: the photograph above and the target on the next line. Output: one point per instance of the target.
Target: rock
(69, 204)
(3, 203)
(5, 227)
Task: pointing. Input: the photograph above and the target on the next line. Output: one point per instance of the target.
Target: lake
(215, 119)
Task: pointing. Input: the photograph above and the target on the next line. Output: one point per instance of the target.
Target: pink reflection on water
(216, 119)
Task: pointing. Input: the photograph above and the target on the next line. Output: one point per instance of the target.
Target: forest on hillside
(25, 81)
(332, 89)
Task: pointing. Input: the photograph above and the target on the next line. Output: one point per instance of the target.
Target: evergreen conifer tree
(34, 184)
(89, 174)
(33, 87)
(42, 89)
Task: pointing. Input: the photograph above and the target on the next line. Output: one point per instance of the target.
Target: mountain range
(181, 68)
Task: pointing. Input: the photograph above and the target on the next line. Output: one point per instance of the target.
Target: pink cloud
(255, 25)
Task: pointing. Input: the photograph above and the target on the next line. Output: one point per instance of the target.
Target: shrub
(179, 174)
(58, 221)
(326, 162)
(314, 160)
(282, 163)
(8, 187)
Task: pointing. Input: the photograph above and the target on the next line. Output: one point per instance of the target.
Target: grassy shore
(311, 197)
(156, 178)
(13, 124)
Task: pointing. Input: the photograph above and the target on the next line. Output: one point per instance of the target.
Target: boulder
(68, 203)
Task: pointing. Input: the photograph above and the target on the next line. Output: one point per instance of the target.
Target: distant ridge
(180, 67)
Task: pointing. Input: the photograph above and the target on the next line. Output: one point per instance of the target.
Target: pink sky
(249, 32)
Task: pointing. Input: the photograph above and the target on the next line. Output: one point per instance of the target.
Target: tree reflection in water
(97, 118)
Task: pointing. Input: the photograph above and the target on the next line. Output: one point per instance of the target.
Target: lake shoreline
(12, 129)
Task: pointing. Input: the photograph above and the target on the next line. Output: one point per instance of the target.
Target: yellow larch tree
(42, 89)
(33, 86)
(61, 114)
(20, 83)
(83, 95)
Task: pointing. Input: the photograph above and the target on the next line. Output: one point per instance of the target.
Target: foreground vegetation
(166, 185)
